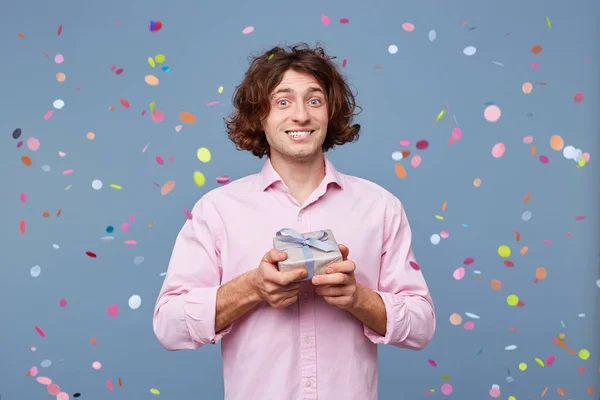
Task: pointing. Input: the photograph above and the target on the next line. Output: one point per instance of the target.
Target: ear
(344, 250)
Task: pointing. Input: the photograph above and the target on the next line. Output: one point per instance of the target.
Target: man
(284, 336)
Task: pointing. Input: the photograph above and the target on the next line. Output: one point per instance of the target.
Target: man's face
(297, 106)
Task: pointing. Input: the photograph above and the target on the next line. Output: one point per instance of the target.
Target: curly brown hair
(252, 105)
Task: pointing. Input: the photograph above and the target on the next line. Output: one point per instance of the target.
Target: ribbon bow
(296, 239)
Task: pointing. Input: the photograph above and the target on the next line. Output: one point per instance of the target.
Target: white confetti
(397, 156)
(432, 35)
(135, 301)
(46, 168)
(471, 315)
(138, 260)
(35, 271)
(97, 184)
(469, 50)
(393, 49)
(511, 347)
(58, 104)
(435, 238)
(46, 363)
(526, 216)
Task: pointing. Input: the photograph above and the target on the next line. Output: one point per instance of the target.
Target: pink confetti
(109, 385)
(59, 58)
(222, 179)
(48, 115)
(414, 265)
(171, 158)
(550, 360)
(67, 172)
(544, 159)
(44, 380)
(405, 142)
(178, 128)
(53, 389)
(145, 147)
(40, 331)
(33, 371)
(78, 87)
(212, 103)
(498, 150)
(247, 30)
(33, 144)
(468, 261)
(112, 310)
(408, 27)
(579, 217)
(528, 139)
(119, 71)
(432, 363)
(446, 389)
(325, 20)
(96, 365)
(124, 103)
(130, 242)
(113, 68)
(62, 153)
(23, 197)
(344, 20)
(131, 218)
(157, 116)
(459, 273)
(125, 227)
(444, 234)
(62, 303)
(344, 63)
(534, 65)
(187, 214)
(143, 112)
(546, 241)
(415, 161)
(578, 98)
(62, 396)
(456, 133)
(21, 144)
(160, 160)
(469, 325)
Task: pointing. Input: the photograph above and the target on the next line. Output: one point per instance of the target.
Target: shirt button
(308, 384)
(306, 295)
(307, 339)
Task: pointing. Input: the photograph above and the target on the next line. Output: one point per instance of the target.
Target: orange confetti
(400, 171)
(405, 153)
(536, 49)
(464, 23)
(187, 117)
(527, 197)
(22, 227)
(571, 351)
(28, 373)
(541, 273)
(59, 212)
(518, 236)
(545, 390)
(26, 160)
(21, 35)
(112, 108)
(561, 391)
(590, 390)
(444, 206)
(93, 340)
(532, 151)
(150, 224)
(561, 344)
(120, 382)
(167, 187)
(496, 284)
(45, 214)
(524, 250)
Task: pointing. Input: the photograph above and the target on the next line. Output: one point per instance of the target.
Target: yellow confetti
(440, 115)
(522, 366)
(584, 354)
(114, 186)
(203, 154)
(155, 391)
(151, 62)
(160, 58)
(220, 89)
(548, 21)
(581, 162)
(439, 217)
(199, 178)
(537, 360)
(152, 105)
(271, 56)
(68, 187)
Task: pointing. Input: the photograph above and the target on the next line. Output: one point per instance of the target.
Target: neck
(302, 177)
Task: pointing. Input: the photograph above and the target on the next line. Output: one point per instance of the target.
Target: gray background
(205, 48)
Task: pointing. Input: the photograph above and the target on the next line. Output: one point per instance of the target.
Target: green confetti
(480, 351)
(440, 115)
(548, 21)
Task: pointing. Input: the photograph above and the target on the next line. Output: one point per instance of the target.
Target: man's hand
(339, 286)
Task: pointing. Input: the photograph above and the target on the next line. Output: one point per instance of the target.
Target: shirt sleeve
(408, 304)
(184, 313)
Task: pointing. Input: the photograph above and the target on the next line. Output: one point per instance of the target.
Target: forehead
(294, 82)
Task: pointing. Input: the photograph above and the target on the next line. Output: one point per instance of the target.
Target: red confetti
(422, 144)
(40, 331)
(580, 217)
(468, 260)
(119, 71)
(344, 20)
(414, 265)
(344, 62)
(509, 264)
(22, 227)
(432, 363)
(125, 103)
(109, 385)
(59, 30)
(89, 253)
(578, 98)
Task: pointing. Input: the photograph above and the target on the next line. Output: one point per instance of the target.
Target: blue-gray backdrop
(505, 94)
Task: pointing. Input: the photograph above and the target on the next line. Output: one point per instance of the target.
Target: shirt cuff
(200, 309)
(396, 325)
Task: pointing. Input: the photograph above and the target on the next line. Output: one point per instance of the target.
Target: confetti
(167, 187)
(187, 117)
(151, 80)
(154, 26)
(469, 51)
(325, 20)
(248, 30)
(498, 150)
(492, 113)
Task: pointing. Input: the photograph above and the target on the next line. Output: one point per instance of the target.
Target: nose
(300, 114)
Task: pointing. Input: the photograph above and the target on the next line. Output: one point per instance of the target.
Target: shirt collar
(269, 176)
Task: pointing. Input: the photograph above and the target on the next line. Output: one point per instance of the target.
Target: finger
(273, 256)
(344, 250)
(346, 267)
(337, 278)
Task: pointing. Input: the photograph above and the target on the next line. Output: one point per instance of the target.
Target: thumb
(345, 251)
(273, 256)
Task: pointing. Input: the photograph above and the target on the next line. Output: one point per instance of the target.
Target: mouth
(299, 134)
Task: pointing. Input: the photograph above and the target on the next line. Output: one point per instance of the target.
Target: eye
(279, 102)
(316, 100)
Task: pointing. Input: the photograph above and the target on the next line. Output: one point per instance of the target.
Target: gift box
(312, 251)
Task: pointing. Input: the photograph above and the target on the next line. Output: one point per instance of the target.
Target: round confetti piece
(33, 144)
(469, 50)
(35, 271)
(469, 326)
(165, 68)
(60, 77)
(187, 117)
(53, 389)
(96, 365)
(90, 135)
(110, 229)
(536, 49)
(561, 391)
(167, 187)
(544, 159)
(405, 142)
(151, 80)
(222, 179)
(526, 216)
(97, 184)
(498, 150)
(455, 319)
(135, 302)
(325, 20)
(550, 360)
(422, 144)
(157, 116)
(58, 104)
(578, 98)
(477, 182)
(456, 134)
(248, 30)
(415, 161)
(492, 113)
(495, 393)
(432, 35)
(527, 87)
(203, 154)
(159, 58)
(512, 300)
(584, 354)
(155, 391)
(397, 156)
(408, 27)
(435, 239)
(62, 303)
(59, 58)
(138, 260)
(392, 49)
(504, 251)
(459, 273)
(446, 389)
(522, 366)
(199, 178)
(528, 139)
(556, 143)
(512, 398)
(400, 171)
(444, 234)
(112, 310)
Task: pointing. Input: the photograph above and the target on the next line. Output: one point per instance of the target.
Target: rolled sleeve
(410, 311)
(184, 313)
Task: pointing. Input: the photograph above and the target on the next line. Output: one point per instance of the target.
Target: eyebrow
(290, 90)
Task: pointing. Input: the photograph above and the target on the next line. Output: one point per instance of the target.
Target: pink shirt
(310, 350)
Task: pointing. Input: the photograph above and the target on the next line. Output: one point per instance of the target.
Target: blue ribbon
(296, 239)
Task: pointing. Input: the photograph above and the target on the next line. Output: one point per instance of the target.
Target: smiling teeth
(298, 133)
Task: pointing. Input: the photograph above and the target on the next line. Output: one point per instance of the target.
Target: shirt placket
(308, 345)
